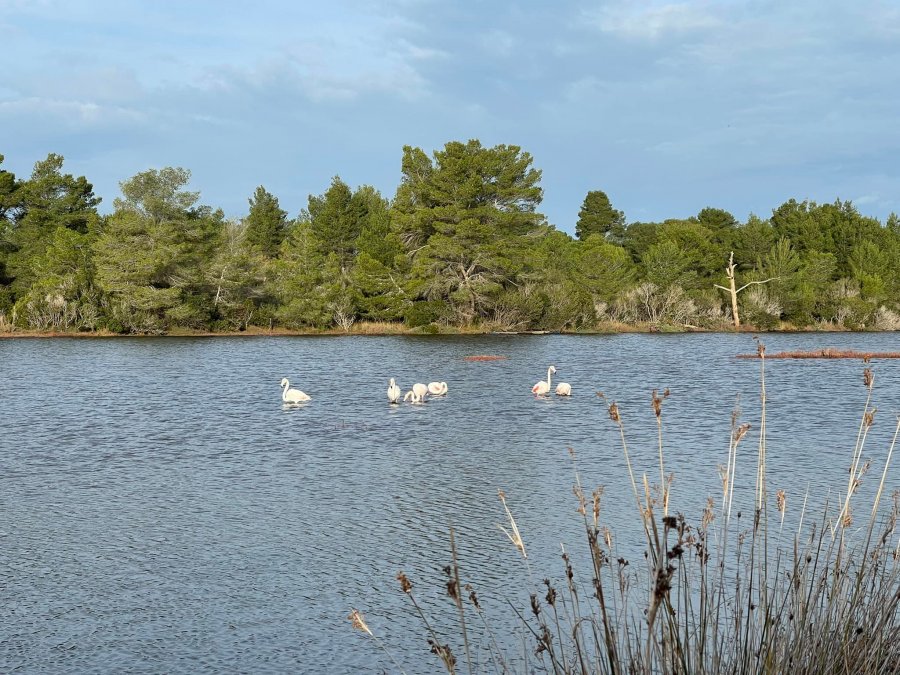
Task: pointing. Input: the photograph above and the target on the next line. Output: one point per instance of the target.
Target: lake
(162, 511)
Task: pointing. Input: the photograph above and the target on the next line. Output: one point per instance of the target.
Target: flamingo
(393, 392)
(542, 388)
(414, 396)
(292, 395)
(437, 388)
(421, 390)
(563, 389)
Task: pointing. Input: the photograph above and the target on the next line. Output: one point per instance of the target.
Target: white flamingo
(292, 395)
(563, 389)
(542, 388)
(413, 396)
(437, 388)
(393, 392)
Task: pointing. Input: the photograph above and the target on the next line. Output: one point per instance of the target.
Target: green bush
(424, 312)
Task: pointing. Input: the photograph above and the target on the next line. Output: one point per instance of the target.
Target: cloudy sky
(666, 106)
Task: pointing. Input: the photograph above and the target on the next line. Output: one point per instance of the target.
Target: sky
(668, 107)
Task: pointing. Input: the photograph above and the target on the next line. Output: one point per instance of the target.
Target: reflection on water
(163, 511)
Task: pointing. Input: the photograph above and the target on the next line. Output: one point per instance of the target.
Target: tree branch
(755, 282)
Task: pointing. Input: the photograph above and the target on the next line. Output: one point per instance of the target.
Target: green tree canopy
(597, 216)
(265, 224)
(48, 200)
(154, 254)
(463, 218)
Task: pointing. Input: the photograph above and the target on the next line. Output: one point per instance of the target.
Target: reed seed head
(847, 520)
(740, 432)
(656, 401)
(595, 498)
(579, 494)
(446, 655)
(870, 417)
(551, 593)
(868, 377)
(359, 623)
(472, 597)
(607, 536)
(452, 586)
(614, 412)
(709, 513)
(405, 583)
(760, 347)
(781, 500)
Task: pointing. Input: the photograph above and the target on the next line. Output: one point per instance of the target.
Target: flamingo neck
(548, 377)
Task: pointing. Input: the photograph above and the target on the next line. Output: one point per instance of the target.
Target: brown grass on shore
(826, 353)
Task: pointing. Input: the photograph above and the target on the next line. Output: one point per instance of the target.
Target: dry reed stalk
(761, 459)
(861, 434)
(886, 465)
(515, 536)
(656, 402)
(359, 623)
(454, 589)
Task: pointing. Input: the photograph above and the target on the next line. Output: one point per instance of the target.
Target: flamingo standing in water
(393, 392)
(414, 396)
(542, 388)
(292, 396)
(437, 388)
(563, 389)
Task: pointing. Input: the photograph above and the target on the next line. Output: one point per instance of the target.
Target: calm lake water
(163, 512)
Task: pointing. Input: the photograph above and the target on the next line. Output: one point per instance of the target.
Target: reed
(719, 595)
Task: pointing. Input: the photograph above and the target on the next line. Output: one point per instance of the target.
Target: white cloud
(72, 113)
(651, 21)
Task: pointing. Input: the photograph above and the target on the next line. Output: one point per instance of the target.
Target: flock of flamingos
(420, 391)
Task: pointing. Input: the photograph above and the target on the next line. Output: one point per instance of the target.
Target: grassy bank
(391, 328)
(719, 594)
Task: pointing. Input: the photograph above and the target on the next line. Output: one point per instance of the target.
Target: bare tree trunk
(729, 272)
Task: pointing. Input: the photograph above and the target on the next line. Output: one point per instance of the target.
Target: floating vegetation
(485, 357)
(827, 353)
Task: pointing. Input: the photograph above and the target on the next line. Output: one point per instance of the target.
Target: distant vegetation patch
(827, 353)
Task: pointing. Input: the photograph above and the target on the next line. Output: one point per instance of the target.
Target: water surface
(163, 512)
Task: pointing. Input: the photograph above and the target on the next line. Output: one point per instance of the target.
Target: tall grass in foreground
(716, 596)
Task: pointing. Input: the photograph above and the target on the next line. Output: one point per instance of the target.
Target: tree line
(461, 244)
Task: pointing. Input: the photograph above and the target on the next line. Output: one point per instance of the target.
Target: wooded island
(461, 245)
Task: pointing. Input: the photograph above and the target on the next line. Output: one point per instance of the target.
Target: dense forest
(461, 245)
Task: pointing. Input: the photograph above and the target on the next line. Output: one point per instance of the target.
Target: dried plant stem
(458, 599)
(359, 623)
(887, 463)
(861, 434)
(664, 490)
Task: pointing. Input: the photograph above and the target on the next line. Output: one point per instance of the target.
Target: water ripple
(163, 512)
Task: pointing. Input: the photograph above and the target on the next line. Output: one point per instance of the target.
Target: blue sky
(667, 106)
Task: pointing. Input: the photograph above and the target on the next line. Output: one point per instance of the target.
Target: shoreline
(364, 330)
